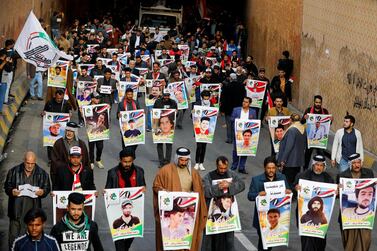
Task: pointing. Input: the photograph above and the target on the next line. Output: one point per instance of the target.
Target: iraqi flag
(35, 46)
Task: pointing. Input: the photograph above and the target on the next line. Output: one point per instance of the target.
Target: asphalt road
(27, 134)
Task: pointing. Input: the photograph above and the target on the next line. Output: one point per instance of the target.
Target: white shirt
(244, 115)
(137, 42)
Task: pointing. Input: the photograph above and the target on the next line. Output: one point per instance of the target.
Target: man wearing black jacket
(26, 173)
(75, 176)
(125, 174)
(164, 102)
(82, 232)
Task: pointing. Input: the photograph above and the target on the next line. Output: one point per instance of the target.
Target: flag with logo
(35, 46)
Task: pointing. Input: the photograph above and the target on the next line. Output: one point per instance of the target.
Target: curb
(11, 111)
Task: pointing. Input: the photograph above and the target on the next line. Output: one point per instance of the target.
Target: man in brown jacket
(180, 177)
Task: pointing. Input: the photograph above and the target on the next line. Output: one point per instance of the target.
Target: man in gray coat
(291, 155)
(221, 183)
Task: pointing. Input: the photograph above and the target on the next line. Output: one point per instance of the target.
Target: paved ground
(27, 134)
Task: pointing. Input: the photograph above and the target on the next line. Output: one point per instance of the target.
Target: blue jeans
(238, 161)
(149, 117)
(343, 165)
(55, 33)
(37, 79)
(3, 89)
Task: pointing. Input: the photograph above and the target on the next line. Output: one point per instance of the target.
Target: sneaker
(92, 166)
(201, 167)
(196, 167)
(100, 165)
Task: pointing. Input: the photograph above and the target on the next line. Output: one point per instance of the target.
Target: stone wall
(339, 61)
(275, 26)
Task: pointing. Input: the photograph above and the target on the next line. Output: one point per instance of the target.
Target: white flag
(36, 47)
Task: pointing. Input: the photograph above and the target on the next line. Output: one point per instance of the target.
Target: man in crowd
(21, 179)
(35, 77)
(257, 188)
(107, 86)
(315, 109)
(244, 112)
(347, 141)
(167, 103)
(357, 239)
(56, 105)
(291, 151)
(35, 238)
(74, 176)
(180, 177)
(224, 187)
(60, 150)
(126, 174)
(318, 174)
(76, 224)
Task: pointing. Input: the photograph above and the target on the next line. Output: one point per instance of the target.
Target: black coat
(64, 179)
(232, 95)
(113, 179)
(15, 178)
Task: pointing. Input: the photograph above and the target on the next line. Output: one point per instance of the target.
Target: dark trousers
(16, 229)
(99, 146)
(49, 150)
(81, 118)
(313, 244)
(180, 115)
(260, 243)
(123, 245)
(164, 159)
(238, 161)
(200, 152)
(218, 242)
(290, 173)
(308, 155)
(229, 133)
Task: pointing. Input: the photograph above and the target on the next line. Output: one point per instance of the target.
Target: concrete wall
(275, 26)
(339, 61)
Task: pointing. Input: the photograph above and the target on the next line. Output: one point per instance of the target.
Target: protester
(270, 174)
(107, 86)
(317, 174)
(347, 141)
(98, 144)
(76, 224)
(61, 148)
(75, 176)
(224, 241)
(244, 112)
(126, 174)
(26, 185)
(35, 238)
(180, 177)
(8, 71)
(35, 77)
(291, 155)
(356, 239)
(280, 85)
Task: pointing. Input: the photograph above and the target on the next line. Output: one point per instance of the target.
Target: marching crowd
(217, 59)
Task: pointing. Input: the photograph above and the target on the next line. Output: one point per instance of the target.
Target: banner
(315, 205)
(163, 125)
(123, 86)
(153, 90)
(255, 89)
(223, 215)
(132, 127)
(97, 121)
(177, 216)
(246, 136)
(178, 93)
(215, 90)
(317, 129)
(358, 202)
(125, 212)
(274, 214)
(53, 127)
(190, 86)
(204, 120)
(84, 91)
(60, 203)
(35, 46)
(57, 76)
(277, 126)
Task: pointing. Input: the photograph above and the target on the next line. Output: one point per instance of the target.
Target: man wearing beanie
(180, 177)
(60, 150)
(356, 239)
(75, 224)
(318, 174)
(125, 174)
